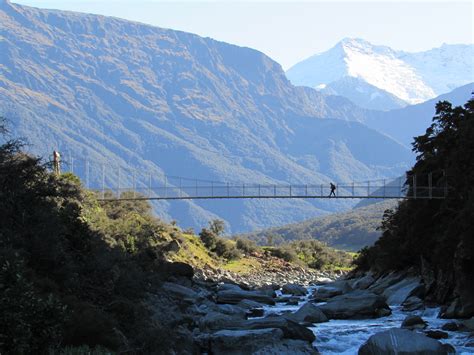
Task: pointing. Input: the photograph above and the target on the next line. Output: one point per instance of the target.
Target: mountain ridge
(411, 77)
(169, 102)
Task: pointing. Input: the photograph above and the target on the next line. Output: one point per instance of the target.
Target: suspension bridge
(113, 183)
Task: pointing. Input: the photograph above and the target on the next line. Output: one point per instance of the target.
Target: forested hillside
(350, 230)
(120, 93)
(436, 236)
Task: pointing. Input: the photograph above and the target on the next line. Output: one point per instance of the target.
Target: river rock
(363, 282)
(356, 305)
(397, 293)
(468, 324)
(402, 341)
(294, 289)
(459, 309)
(291, 329)
(384, 282)
(258, 341)
(308, 313)
(437, 334)
(324, 293)
(234, 296)
(243, 341)
(412, 303)
(215, 321)
(414, 322)
(180, 291)
(253, 309)
(450, 327)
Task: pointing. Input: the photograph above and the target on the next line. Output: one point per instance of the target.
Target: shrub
(227, 249)
(246, 245)
(208, 238)
(285, 252)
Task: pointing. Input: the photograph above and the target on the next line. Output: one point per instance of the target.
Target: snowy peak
(410, 77)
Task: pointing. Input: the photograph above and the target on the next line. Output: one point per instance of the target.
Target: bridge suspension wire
(118, 182)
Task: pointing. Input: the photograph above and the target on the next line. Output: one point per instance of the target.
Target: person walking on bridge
(56, 163)
(333, 190)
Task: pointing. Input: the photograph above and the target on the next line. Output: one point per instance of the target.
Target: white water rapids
(346, 336)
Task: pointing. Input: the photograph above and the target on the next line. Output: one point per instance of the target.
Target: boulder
(450, 327)
(308, 313)
(468, 324)
(356, 305)
(294, 289)
(414, 322)
(412, 303)
(234, 296)
(231, 310)
(437, 334)
(181, 292)
(384, 282)
(397, 293)
(253, 309)
(178, 269)
(291, 329)
(235, 342)
(459, 309)
(259, 341)
(336, 288)
(402, 341)
(363, 282)
(288, 346)
(215, 321)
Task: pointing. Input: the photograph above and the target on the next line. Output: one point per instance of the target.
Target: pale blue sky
(291, 31)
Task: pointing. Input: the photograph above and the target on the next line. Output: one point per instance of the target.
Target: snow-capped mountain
(410, 77)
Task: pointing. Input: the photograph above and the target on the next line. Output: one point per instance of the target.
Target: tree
(217, 226)
(436, 234)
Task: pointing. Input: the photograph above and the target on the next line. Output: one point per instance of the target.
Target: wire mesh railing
(112, 182)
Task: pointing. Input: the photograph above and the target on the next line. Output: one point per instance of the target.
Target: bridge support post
(228, 190)
(103, 181)
(118, 183)
(134, 184)
(149, 185)
(321, 190)
(352, 188)
(368, 188)
(384, 187)
(165, 187)
(87, 173)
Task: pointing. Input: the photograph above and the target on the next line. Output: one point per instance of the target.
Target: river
(346, 336)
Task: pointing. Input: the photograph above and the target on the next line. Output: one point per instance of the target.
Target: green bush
(208, 238)
(246, 245)
(285, 252)
(226, 249)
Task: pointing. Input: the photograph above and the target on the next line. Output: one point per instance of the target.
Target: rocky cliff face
(162, 101)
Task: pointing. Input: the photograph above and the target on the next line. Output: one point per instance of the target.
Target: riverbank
(339, 316)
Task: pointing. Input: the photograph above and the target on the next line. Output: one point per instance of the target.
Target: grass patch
(243, 265)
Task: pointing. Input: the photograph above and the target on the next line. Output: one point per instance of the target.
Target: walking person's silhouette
(333, 190)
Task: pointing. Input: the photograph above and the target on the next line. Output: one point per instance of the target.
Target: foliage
(67, 262)
(434, 232)
(246, 245)
(217, 226)
(221, 246)
(350, 230)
